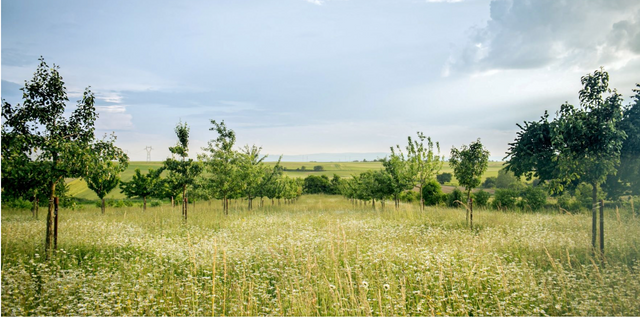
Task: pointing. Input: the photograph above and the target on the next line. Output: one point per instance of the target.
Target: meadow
(78, 188)
(319, 256)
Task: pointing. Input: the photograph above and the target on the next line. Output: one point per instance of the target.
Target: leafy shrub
(481, 198)
(128, 203)
(490, 182)
(19, 204)
(156, 203)
(505, 179)
(432, 193)
(318, 168)
(568, 202)
(584, 194)
(409, 196)
(444, 177)
(454, 198)
(533, 198)
(505, 199)
(118, 204)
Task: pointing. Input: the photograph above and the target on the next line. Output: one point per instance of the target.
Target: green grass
(320, 256)
(78, 188)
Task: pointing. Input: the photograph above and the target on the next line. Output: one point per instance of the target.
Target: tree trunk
(471, 213)
(421, 200)
(594, 220)
(185, 202)
(373, 202)
(468, 200)
(144, 203)
(48, 242)
(602, 229)
(249, 203)
(173, 203)
(102, 207)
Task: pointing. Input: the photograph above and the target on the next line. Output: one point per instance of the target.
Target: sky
(345, 78)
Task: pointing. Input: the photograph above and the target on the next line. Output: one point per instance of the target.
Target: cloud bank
(550, 33)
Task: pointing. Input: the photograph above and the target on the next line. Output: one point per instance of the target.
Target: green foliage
(455, 198)
(469, 163)
(505, 199)
(222, 164)
(18, 203)
(432, 193)
(444, 178)
(397, 167)
(506, 179)
(140, 185)
(481, 198)
(314, 184)
(318, 168)
(490, 182)
(409, 196)
(105, 166)
(582, 143)
(423, 161)
(584, 193)
(533, 198)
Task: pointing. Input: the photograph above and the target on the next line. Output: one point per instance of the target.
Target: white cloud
(113, 118)
(316, 2)
(564, 34)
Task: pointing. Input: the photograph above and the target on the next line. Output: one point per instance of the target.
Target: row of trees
(222, 173)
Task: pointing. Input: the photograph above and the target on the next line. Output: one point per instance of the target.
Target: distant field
(78, 188)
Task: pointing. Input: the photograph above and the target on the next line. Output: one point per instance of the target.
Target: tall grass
(320, 256)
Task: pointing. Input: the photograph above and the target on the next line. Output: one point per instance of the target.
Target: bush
(128, 203)
(444, 178)
(119, 204)
(409, 196)
(481, 198)
(314, 184)
(583, 195)
(505, 179)
(454, 198)
(19, 204)
(318, 168)
(533, 198)
(156, 203)
(568, 203)
(505, 199)
(490, 182)
(432, 193)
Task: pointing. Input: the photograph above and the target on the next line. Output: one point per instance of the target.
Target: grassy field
(320, 256)
(78, 188)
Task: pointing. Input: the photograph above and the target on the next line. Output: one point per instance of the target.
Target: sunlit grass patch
(320, 256)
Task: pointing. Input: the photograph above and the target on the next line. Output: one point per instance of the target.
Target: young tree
(142, 186)
(424, 162)
(397, 167)
(104, 168)
(183, 171)
(469, 163)
(57, 144)
(581, 144)
(252, 172)
(221, 162)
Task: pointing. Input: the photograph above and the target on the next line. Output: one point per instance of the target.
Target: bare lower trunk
(469, 217)
(185, 202)
(471, 213)
(144, 203)
(421, 200)
(602, 228)
(48, 242)
(594, 220)
(103, 206)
